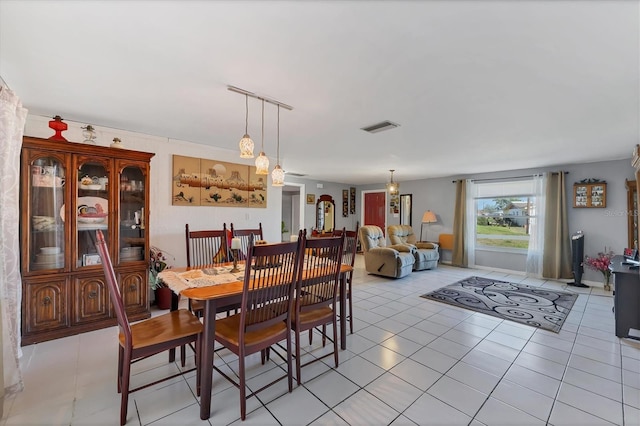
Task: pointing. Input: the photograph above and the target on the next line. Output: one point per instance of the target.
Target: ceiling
(476, 86)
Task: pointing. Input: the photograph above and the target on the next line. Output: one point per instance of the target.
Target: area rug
(535, 306)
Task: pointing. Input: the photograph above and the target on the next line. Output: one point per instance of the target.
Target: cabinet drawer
(90, 299)
(45, 306)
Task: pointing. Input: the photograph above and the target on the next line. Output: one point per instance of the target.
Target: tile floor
(410, 361)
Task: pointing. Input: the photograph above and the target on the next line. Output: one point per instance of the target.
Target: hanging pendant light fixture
(246, 144)
(262, 162)
(277, 175)
(393, 187)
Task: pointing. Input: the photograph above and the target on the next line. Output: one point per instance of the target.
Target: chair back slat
(320, 267)
(350, 245)
(207, 247)
(271, 276)
(245, 236)
(114, 289)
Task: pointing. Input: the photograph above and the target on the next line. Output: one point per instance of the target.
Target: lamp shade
(429, 217)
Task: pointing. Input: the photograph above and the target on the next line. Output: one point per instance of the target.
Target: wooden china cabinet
(67, 192)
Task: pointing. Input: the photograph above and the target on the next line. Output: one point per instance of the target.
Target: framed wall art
(345, 203)
(352, 200)
(205, 182)
(590, 193)
(311, 198)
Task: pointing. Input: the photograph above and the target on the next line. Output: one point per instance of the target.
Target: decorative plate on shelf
(91, 210)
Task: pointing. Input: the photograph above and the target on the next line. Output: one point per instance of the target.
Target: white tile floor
(410, 361)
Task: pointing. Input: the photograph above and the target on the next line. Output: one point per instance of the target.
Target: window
(504, 211)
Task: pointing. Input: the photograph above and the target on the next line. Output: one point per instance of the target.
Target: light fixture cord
(278, 150)
(263, 125)
(246, 115)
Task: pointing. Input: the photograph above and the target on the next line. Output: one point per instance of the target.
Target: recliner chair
(426, 254)
(395, 261)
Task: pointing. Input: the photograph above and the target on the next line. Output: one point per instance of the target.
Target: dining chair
(271, 276)
(148, 337)
(245, 235)
(316, 302)
(349, 258)
(207, 248)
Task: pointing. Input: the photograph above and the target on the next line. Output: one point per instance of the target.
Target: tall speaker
(577, 259)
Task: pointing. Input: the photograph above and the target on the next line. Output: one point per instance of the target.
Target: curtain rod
(505, 178)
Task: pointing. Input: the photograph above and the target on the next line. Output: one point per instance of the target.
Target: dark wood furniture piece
(67, 192)
(349, 251)
(626, 298)
(591, 194)
(632, 213)
(145, 338)
(226, 294)
(265, 317)
(316, 304)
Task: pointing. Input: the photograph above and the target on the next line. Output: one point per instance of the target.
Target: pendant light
(262, 162)
(246, 144)
(393, 187)
(277, 175)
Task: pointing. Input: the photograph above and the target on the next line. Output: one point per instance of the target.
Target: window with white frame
(504, 210)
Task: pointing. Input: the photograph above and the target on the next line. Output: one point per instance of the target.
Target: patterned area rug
(536, 306)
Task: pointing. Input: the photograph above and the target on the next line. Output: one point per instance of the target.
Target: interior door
(374, 209)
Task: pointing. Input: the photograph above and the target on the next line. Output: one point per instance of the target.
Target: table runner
(205, 277)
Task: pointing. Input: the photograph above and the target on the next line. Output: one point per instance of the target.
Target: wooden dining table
(226, 294)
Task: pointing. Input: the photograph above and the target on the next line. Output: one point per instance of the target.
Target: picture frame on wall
(345, 203)
(352, 200)
(311, 198)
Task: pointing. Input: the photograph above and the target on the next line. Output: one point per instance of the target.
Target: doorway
(293, 199)
(373, 208)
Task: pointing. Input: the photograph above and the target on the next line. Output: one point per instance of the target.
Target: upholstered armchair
(393, 261)
(426, 254)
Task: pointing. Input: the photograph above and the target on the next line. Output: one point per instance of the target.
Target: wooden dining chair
(271, 276)
(145, 338)
(349, 258)
(207, 248)
(316, 302)
(245, 235)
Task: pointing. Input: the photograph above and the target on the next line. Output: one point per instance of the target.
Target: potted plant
(601, 263)
(284, 231)
(157, 264)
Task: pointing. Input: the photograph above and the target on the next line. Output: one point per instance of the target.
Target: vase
(163, 297)
(607, 282)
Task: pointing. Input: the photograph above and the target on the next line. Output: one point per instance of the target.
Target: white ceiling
(476, 86)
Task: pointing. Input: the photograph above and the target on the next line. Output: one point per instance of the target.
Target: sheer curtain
(536, 227)
(12, 120)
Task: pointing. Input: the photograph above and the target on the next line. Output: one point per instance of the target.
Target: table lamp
(427, 217)
(235, 246)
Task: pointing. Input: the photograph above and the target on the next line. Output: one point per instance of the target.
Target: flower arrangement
(601, 263)
(157, 264)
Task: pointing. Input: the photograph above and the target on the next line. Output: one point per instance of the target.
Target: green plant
(157, 264)
(283, 227)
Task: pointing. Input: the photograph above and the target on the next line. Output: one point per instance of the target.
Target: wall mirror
(405, 209)
(325, 214)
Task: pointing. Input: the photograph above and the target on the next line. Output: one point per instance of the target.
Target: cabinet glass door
(132, 215)
(47, 242)
(92, 210)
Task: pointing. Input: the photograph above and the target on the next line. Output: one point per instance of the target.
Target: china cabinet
(67, 192)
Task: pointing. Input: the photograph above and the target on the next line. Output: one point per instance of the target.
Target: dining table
(225, 291)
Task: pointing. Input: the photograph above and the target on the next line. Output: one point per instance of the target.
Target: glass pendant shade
(393, 187)
(277, 176)
(262, 164)
(246, 147)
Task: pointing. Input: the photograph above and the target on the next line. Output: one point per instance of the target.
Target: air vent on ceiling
(379, 127)
(295, 174)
